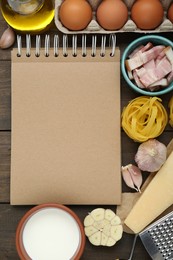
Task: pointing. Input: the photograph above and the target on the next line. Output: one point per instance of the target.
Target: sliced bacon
(137, 80)
(169, 54)
(150, 64)
(148, 46)
(161, 55)
(163, 68)
(130, 74)
(170, 77)
(151, 54)
(140, 72)
(162, 82)
(141, 48)
(156, 73)
(141, 58)
(151, 67)
(131, 55)
(149, 77)
(133, 63)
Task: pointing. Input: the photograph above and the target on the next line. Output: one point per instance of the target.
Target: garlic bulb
(151, 155)
(7, 39)
(103, 227)
(132, 176)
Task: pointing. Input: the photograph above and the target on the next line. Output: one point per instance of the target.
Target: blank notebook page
(65, 130)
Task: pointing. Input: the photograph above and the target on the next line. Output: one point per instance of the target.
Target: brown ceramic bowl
(50, 231)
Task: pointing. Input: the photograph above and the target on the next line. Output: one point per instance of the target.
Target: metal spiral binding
(94, 46)
(19, 46)
(28, 45)
(56, 45)
(65, 46)
(112, 44)
(103, 46)
(47, 45)
(37, 46)
(74, 45)
(84, 46)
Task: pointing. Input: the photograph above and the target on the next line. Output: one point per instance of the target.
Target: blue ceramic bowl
(156, 40)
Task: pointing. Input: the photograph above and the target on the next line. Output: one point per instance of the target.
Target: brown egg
(75, 14)
(112, 14)
(170, 13)
(147, 14)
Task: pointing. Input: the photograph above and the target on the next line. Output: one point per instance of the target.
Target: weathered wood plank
(5, 151)
(4, 54)
(5, 95)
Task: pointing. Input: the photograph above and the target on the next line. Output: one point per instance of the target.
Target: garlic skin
(7, 39)
(151, 155)
(132, 176)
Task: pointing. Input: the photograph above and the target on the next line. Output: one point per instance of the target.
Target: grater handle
(133, 247)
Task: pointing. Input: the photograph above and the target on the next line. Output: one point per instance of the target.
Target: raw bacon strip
(161, 55)
(163, 68)
(149, 77)
(141, 48)
(169, 54)
(140, 72)
(137, 80)
(130, 75)
(147, 74)
(148, 46)
(170, 77)
(152, 75)
(131, 55)
(134, 63)
(151, 54)
(143, 57)
(162, 82)
(150, 65)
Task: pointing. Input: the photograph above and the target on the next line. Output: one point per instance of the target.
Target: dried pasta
(171, 111)
(144, 118)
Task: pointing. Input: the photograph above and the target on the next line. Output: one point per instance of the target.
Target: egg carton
(130, 26)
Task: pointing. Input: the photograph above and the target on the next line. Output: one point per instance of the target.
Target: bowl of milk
(50, 231)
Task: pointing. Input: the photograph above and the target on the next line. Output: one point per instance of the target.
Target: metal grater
(158, 238)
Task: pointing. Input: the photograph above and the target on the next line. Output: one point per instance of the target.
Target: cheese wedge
(156, 198)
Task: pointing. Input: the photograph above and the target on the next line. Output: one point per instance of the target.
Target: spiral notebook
(65, 123)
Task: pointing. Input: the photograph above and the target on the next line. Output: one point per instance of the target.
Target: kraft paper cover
(65, 130)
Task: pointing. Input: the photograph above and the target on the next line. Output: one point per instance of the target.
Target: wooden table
(10, 215)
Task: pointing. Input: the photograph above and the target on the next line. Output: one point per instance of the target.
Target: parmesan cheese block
(156, 198)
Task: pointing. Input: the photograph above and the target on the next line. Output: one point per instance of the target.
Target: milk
(51, 234)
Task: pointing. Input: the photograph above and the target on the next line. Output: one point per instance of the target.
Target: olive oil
(31, 23)
(25, 6)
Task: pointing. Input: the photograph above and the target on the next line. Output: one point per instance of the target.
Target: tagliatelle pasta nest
(144, 118)
(171, 112)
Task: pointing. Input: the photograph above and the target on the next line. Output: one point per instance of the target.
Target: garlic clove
(136, 176)
(7, 39)
(151, 155)
(126, 176)
(132, 176)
